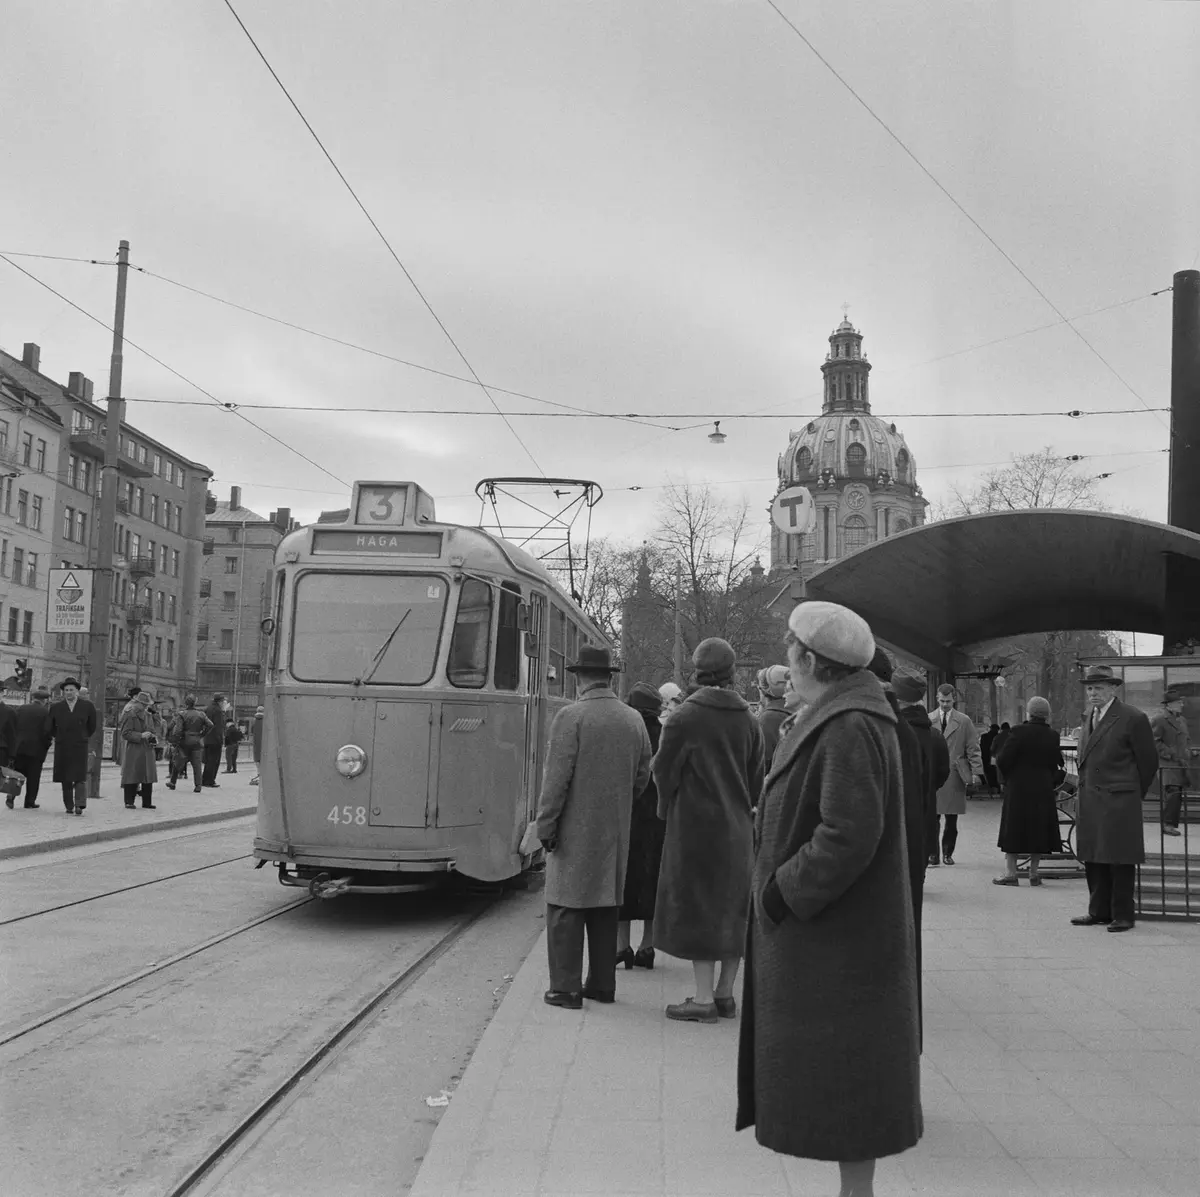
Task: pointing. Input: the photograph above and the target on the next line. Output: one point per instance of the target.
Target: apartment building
(235, 590)
(159, 538)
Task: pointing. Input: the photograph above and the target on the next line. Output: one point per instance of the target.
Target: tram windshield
(348, 626)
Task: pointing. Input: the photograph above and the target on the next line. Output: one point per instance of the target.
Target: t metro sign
(792, 511)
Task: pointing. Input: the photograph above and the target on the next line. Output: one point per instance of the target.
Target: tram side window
(571, 652)
(471, 643)
(558, 661)
(508, 642)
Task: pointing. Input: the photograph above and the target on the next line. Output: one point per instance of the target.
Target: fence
(1168, 884)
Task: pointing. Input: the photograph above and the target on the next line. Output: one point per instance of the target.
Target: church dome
(848, 445)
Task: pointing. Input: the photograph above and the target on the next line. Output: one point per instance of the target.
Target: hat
(1101, 673)
(669, 692)
(71, 682)
(773, 679)
(714, 660)
(1037, 708)
(881, 665)
(908, 686)
(594, 659)
(260, 711)
(40, 695)
(644, 697)
(834, 632)
(1174, 694)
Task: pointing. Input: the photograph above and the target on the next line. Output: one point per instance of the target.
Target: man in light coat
(1117, 762)
(1174, 756)
(598, 760)
(966, 760)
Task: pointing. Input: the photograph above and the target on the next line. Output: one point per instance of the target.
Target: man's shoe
(170, 785)
(78, 810)
(9, 802)
(1087, 920)
(130, 806)
(934, 861)
(196, 790)
(32, 806)
(567, 1001)
(149, 806)
(212, 785)
(1171, 831)
(947, 858)
(726, 1007)
(693, 1011)
(1121, 925)
(599, 995)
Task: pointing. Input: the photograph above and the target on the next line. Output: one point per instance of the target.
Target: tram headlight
(351, 760)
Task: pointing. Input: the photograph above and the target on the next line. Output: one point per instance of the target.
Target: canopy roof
(933, 590)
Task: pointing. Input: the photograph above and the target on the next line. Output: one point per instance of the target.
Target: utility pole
(678, 624)
(103, 576)
(237, 645)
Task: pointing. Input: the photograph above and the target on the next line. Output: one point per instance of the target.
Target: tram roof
(932, 591)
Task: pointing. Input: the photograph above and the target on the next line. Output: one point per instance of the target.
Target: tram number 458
(347, 814)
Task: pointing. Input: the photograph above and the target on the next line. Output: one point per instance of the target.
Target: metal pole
(237, 643)
(103, 577)
(678, 625)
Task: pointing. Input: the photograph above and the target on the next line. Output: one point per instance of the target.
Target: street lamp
(717, 437)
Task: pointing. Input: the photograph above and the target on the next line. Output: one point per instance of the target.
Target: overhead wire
(182, 377)
(14, 253)
(379, 232)
(947, 193)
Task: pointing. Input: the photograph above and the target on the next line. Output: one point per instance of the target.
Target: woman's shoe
(644, 958)
(149, 806)
(1008, 881)
(625, 958)
(726, 1007)
(129, 806)
(1035, 881)
(693, 1011)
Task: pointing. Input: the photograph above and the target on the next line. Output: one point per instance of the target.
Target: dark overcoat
(1117, 762)
(937, 761)
(71, 731)
(256, 730)
(1174, 751)
(8, 733)
(33, 730)
(1032, 763)
(770, 718)
(646, 832)
(829, 1058)
(709, 772)
(137, 761)
(215, 714)
(599, 757)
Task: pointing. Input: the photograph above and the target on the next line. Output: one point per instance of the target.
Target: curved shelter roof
(933, 590)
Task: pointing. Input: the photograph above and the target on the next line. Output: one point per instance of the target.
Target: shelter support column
(1182, 607)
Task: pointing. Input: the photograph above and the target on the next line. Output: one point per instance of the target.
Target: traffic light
(23, 674)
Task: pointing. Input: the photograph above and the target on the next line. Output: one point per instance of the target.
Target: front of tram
(395, 703)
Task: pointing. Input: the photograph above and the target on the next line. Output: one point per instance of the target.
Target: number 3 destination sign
(792, 511)
(69, 604)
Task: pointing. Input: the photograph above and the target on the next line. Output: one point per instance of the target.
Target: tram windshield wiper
(377, 660)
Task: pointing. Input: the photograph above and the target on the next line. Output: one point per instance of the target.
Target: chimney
(235, 497)
(31, 356)
(79, 385)
(283, 518)
(87, 389)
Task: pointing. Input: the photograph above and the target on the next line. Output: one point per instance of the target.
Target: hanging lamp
(717, 437)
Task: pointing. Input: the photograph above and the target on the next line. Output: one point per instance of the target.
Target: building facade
(861, 475)
(235, 590)
(158, 548)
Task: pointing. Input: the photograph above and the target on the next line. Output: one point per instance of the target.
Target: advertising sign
(69, 603)
(793, 512)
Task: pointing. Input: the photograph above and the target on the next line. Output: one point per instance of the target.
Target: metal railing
(1168, 884)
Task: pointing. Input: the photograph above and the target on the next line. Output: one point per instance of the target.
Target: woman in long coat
(138, 770)
(709, 772)
(829, 1060)
(646, 832)
(1031, 763)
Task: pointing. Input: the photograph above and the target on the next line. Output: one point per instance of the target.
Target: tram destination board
(403, 544)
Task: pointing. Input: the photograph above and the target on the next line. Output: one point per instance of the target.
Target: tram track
(159, 966)
(20, 918)
(246, 1132)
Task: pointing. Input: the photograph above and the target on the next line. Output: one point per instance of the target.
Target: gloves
(551, 844)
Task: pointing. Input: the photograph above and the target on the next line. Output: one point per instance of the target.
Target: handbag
(530, 843)
(11, 782)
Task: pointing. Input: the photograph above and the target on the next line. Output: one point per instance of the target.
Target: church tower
(856, 466)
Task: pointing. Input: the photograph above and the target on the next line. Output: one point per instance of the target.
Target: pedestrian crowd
(793, 845)
(185, 739)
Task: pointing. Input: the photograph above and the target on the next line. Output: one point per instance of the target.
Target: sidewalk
(25, 832)
(1058, 1060)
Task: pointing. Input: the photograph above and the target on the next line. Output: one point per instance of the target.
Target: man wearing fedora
(1117, 762)
(598, 761)
(71, 723)
(1174, 756)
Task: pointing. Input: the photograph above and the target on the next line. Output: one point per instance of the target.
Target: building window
(154, 509)
(14, 619)
(178, 518)
(231, 565)
(164, 556)
(235, 534)
(35, 513)
(145, 648)
(120, 642)
(8, 489)
(135, 545)
(23, 507)
(81, 527)
(158, 651)
(18, 572)
(902, 525)
(139, 501)
(158, 464)
(31, 571)
(856, 460)
(229, 600)
(150, 550)
(27, 628)
(804, 461)
(142, 455)
(112, 640)
(68, 523)
(170, 654)
(160, 605)
(171, 609)
(39, 457)
(3, 434)
(902, 466)
(4, 558)
(227, 638)
(27, 448)
(174, 563)
(854, 534)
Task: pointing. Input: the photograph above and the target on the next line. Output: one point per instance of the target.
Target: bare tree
(1041, 479)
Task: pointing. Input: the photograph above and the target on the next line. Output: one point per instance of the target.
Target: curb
(121, 833)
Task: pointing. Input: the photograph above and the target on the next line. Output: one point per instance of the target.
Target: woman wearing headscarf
(829, 1058)
(1031, 763)
(646, 831)
(709, 771)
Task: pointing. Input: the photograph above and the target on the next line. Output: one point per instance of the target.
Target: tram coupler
(325, 887)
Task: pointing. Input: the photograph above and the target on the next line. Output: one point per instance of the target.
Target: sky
(620, 206)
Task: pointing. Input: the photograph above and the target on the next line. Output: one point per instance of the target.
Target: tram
(413, 669)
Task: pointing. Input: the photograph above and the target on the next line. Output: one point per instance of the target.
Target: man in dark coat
(72, 724)
(1174, 756)
(709, 772)
(1117, 762)
(829, 1057)
(213, 741)
(188, 731)
(598, 759)
(8, 734)
(985, 748)
(32, 743)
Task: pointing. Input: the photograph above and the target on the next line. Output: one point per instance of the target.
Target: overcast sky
(645, 206)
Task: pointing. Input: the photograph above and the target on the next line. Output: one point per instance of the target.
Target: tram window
(557, 660)
(571, 652)
(471, 644)
(508, 642)
(348, 626)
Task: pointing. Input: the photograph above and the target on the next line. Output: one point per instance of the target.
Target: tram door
(535, 652)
